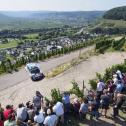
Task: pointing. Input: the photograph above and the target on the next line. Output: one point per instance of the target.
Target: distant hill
(76, 15)
(118, 13)
(17, 14)
(4, 17)
(113, 22)
(46, 19)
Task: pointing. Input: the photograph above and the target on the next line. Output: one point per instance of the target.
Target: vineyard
(107, 44)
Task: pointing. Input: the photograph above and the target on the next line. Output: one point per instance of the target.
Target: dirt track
(86, 70)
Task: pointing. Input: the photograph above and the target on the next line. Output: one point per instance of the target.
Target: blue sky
(60, 5)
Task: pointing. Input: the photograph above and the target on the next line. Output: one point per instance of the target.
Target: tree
(3, 66)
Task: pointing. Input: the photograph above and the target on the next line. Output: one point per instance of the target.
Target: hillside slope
(118, 13)
(113, 22)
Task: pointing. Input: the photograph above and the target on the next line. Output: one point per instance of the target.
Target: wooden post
(79, 53)
(125, 61)
(83, 87)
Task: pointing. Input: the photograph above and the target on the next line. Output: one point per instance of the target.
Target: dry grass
(65, 66)
(59, 69)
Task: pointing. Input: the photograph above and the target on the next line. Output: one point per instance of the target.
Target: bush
(99, 76)
(47, 100)
(93, 84)
(76, 90)
(56, 95)
(108, 74)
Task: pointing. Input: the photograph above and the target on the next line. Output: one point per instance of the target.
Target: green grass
(10, 44)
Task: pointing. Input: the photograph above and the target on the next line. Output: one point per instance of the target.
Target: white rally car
(34, 71)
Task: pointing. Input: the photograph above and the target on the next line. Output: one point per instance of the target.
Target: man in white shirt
(100, 88)
(119, 74)
(51, 119)
(59, 110)
(115, 80)
(39, 117)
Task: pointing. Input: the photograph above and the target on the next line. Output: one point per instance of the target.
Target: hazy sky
(60, 5)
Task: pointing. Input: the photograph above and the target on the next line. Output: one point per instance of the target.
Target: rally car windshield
(35, 70)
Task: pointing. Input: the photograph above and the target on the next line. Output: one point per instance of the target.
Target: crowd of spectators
(41, 112)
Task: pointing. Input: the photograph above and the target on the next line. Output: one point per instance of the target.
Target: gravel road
(9, 80)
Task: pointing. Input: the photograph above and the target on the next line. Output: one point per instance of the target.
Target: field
(26, 24)
(14, 42)
(9, 44)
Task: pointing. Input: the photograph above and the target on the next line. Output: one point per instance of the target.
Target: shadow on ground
(118, 121)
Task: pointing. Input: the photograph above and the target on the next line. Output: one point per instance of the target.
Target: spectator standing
(66, 101)
(115, 79)
(31, 113)
(45, 106)
(37, 100)
(76, 106)
(119, 88)
(100, 88)
(83, 108)
(22, 113)
(105, 100)
(119, 75)
(39, 118)
(94, 106)
(111, 87)
(51, 119)
(118, 103)
(58, 108)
